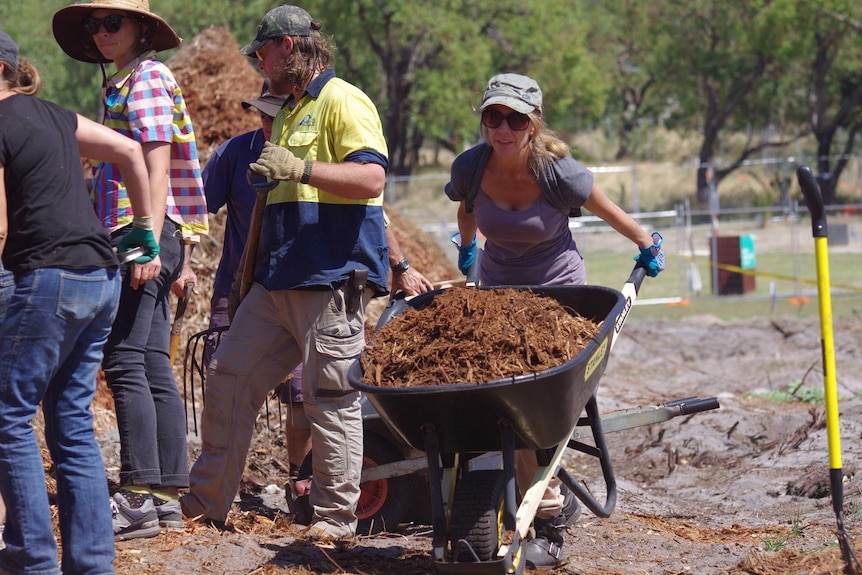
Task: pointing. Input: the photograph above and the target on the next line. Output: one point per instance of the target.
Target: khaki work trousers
(270, 334)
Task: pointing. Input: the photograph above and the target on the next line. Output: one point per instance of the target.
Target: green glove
(277, 163)
(140, 237)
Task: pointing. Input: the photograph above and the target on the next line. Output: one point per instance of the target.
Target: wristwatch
(401, 266)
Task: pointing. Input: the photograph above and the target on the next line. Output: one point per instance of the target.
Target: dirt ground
(741, 489)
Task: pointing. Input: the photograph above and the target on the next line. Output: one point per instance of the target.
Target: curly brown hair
(24, 79)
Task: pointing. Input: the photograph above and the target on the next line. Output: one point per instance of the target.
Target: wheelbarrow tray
(541, 407)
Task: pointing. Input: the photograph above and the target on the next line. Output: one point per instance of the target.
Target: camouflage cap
(286, 20)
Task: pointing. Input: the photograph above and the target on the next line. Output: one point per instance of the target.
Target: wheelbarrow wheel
(384, 503)
(477, 515)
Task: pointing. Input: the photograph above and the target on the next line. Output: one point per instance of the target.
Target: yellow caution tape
(751, 272)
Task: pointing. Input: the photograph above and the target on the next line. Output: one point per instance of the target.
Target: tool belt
(356, 285)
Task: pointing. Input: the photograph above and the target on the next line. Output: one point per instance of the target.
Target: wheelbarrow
(477, 522)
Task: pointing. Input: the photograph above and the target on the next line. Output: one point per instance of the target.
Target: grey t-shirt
(534, 246)
(529, 247)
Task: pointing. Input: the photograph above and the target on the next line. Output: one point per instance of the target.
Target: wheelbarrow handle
(814, 200)
(694, 405)
(636, 278)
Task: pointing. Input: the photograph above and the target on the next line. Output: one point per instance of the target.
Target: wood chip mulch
(469, 335)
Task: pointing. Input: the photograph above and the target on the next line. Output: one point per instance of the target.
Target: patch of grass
(793, 393)
(779, 541)
(774, 544)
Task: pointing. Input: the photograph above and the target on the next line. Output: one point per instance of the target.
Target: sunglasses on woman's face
(493, 119)
(111, 23)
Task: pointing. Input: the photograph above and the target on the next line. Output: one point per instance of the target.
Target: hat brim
(68, 25)
(253, 46)
(509, 102)
(267, 108)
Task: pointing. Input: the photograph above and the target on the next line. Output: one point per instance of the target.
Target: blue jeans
(7, 286)
(51, 341)
(151, 416)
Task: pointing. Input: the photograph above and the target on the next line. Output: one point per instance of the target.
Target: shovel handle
(249, 255)
(261, 187)
(814, 200)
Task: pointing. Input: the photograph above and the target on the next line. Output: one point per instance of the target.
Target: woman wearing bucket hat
(519, 188)
(55, 320)
(143, 101)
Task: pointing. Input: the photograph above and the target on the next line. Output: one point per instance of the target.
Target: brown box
(730, 253)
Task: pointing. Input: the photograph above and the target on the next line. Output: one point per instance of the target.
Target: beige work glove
(277, 163)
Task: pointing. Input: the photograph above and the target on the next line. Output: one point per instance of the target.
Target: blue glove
(652, 258)
(466, 254)
(140, 237)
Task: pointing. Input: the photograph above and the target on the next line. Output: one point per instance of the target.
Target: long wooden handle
(252, 242)
(249, 252)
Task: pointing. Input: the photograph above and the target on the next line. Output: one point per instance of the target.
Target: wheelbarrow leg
(601, 452)
(530, 503)
(511, 497)
(438, 511)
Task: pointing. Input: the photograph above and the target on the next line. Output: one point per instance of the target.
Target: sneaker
(134, 522)
(170, 513)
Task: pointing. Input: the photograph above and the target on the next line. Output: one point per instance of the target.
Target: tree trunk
(705, 157)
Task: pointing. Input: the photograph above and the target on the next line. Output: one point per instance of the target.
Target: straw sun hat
(70, 35)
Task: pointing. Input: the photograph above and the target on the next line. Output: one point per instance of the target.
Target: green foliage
(68, 82)
(621, 68)
(76, 85)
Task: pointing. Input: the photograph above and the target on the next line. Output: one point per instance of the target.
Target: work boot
(296, 493)
(545, 550)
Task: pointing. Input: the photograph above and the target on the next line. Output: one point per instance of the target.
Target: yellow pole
(813, 198)
(828, 343)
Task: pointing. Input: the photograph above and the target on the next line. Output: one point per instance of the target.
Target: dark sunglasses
(494, 119)
(111, 23)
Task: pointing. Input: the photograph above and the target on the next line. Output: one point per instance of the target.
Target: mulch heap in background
(215, 78)
(468, 335)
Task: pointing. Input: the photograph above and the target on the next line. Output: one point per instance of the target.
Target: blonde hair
(545, 145)
(24, 79)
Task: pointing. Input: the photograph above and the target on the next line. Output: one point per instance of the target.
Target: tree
(834, 78)
(75, 85)
(425, 62)
(718, 56)
(621, 37)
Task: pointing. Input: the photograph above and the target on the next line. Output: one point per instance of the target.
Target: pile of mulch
(468, 335)
(215, 78)
(423, 251)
